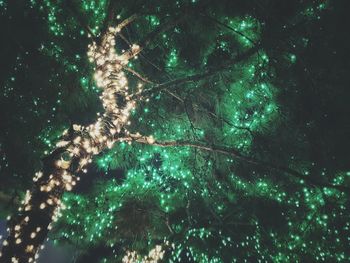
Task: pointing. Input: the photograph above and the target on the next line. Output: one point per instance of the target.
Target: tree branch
(235, 154)
(212, 114)
(127, 21)
(132, 52)
(228, 27)
(138, 75)
(109, 17)
(196, 77)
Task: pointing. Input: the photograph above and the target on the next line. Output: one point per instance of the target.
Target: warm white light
(29, 248)
(87, 141)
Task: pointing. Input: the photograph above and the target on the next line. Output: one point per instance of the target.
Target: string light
(155, 255)
(87, 141)
(95, 137)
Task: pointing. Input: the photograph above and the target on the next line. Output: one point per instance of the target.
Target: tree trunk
(29, 228)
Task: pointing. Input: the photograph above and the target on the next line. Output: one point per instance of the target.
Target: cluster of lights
(89, 140)
(155, 255)
(80, 144)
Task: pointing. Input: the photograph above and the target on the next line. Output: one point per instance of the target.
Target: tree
(200, 163)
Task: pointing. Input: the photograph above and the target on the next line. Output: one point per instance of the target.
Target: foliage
(279, 105)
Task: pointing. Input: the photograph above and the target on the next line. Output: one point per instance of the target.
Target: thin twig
(202, 109)
(196, 77)
(228, 27)
(144, 79)
(152, 36)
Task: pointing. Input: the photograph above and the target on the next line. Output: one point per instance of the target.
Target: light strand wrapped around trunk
(28, 229)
